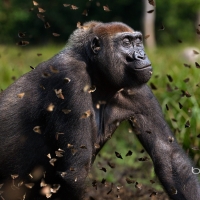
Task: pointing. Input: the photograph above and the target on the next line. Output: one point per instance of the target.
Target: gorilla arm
(172, 166)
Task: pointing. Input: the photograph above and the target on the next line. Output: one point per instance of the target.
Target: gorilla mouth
(143, 67)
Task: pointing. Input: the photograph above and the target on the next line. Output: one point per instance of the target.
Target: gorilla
(56, 118)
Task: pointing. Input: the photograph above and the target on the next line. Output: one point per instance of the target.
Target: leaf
(118, 155)
(85, 12)
(57, 135)
(197, 65)
(138, 185)
(110, 189)
(195, 148)
(66, 111)
(21, 95)
(111, 165)
(63, 174)
(103, 181)
(73, 7)
(96, 146)
(186, 80)
(162, 28)
(83, 147)
(14, 176)
(41, 10)
(55, 34)
(40, 16)
(55, 188)
(86, 114)
(150, 11)
(167, 107)
(180, 41)
(70, 146)
(146, 36)
(180, 105)
(153, 87)
(29, 185)
(66, 5)
(73, 151)
(152, 181)
(129, 153)
(78, 25)
(187, 124)
(187, 94)
(170, 139)
(22, 43)
(46, 25)
(72, 169)
(142, 151)
(67, 80)
(49, 156)
(173, 190)
(92, 89)
(151, 2)
(169, 78)
(50, 107)
(59, 93)
(187, 65)
(52, 161)
(106, 8)
(21, 34)
(103, 169)
(35, 3)
(145, 158)
(153, 193)
(129, 181)
(94, 184)
(37, 129)
(54, 70)
(169, 88)
(59, 154)
(195, 52)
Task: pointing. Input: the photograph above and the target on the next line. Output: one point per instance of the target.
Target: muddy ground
(125, 186)
(114, 192)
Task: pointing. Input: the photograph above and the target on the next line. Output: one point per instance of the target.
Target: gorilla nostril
(139, 55)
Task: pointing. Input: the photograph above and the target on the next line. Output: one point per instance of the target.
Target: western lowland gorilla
(55, 119)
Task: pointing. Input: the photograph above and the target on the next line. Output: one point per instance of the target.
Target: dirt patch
(111, 191)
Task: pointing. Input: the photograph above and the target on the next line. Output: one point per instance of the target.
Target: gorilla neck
(105, 88)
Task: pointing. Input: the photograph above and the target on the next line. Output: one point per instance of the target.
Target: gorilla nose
(139, 55)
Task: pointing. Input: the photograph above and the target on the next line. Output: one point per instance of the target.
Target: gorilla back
(55, 119)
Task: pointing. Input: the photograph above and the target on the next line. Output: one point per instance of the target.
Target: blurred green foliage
(178, 18)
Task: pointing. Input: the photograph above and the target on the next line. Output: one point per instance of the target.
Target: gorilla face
(136, 64)
(121, 57)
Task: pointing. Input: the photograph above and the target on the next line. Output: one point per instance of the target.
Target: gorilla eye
(138, 41)
(126, 41)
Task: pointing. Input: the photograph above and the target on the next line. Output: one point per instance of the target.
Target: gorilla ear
(95, 45)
